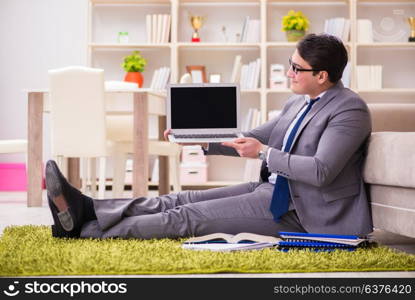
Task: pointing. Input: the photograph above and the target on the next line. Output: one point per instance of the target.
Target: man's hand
(246, 147)
(166, 137)
(166, 134)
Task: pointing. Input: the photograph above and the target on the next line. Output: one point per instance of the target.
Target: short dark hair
(324, 52)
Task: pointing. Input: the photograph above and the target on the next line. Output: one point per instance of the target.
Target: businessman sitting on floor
(314, 152)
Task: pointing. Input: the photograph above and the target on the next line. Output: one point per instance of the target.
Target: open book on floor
(289, 240)
(229, 242)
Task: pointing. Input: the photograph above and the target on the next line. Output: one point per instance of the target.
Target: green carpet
(31, 251)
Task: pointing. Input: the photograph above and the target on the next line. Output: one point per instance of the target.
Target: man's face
(302, 82)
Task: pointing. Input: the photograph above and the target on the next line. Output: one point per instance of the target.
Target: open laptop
(205, 112)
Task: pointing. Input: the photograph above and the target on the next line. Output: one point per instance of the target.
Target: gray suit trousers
(232, 209)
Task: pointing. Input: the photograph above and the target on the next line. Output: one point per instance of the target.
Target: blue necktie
(281, 194)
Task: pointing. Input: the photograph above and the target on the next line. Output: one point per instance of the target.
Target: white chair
(78, 127)
(81, 129)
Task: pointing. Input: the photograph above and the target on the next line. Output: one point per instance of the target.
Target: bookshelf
(108, 17)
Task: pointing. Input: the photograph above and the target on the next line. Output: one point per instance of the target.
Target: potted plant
(134, 65)
(295, 24)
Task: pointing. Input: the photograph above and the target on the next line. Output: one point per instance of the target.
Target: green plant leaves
(134, 62)
(295, 21)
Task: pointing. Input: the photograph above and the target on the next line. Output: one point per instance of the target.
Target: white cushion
(13, 146)
(391, 159)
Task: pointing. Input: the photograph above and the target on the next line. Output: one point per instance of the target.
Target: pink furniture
(13, 177)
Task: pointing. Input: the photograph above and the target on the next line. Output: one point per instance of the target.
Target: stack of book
(246, 75)
(288, 241)
(158, 28)
(369, 77)
(339, 27)
(249, 78)
(251, 31)
(319, 242)
(160, 79)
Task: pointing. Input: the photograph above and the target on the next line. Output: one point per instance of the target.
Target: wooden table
(145, 102)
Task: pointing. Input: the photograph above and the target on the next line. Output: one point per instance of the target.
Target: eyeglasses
(296, 69)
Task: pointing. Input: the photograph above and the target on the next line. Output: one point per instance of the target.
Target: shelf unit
(108, 17)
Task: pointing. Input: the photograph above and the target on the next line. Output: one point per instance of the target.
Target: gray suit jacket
(324, 166)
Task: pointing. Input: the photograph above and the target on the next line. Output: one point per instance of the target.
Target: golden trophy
(411, 21)
(197, 23)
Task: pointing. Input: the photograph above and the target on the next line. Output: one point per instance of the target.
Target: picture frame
(198, 73)
(214, 78)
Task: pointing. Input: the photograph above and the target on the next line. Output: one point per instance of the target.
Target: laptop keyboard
(205, 136)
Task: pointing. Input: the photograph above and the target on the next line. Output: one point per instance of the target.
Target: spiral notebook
(314, 246)
(351, 240)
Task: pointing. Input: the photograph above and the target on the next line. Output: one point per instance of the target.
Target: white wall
(35, 36)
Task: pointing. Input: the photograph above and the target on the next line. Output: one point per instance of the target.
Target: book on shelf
(369, 77)
(158, 28)
(339, 27)
(376, 77)
(236, 70)
(167, 29)
(153, 28)
(251, 31)
(256, 73)
(160, 78)
(244, 29)
(364, 31)
(149, 28)
(243, 80)
(256, 119)
(250, 74)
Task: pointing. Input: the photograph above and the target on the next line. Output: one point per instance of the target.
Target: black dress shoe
(68, 223)
(57, 230)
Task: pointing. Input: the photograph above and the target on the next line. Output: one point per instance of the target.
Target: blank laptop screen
(203, 107)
